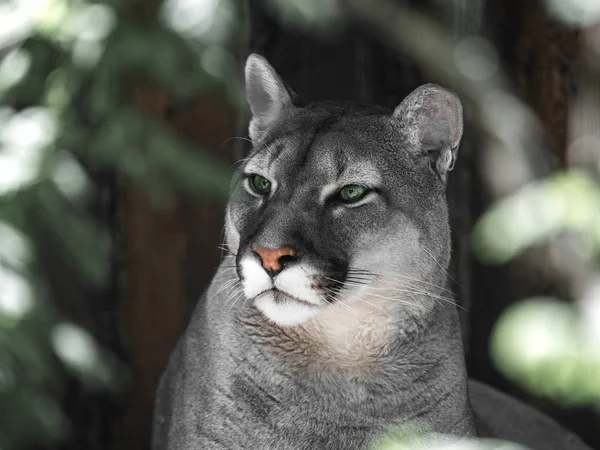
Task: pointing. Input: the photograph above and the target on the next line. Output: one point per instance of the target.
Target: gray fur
(372, 358)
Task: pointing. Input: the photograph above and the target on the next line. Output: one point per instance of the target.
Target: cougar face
(337, 204)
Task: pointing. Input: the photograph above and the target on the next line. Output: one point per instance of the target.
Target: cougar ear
(266, 94)
(432, 121)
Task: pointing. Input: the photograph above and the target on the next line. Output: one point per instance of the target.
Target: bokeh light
(16, 21)
(539, 344)
(69, 177)
(476, 58)
(322, 16)
(80, 353)
(16, 299)
(15, 250)
(580, 13)
(92, 22)
(13, 67)
(23, 139)
(567, 201)
(74, 346)
(589, 305)
(414, 440)
(208, 20)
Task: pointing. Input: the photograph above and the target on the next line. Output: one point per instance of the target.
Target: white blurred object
(585, 152)
(579, 13)
(16, 22)
(310, 14)
(86, 54)
(93, 22)
(435, 441)
(505, 165)
(23, 137)
(534, 331)
(215, 60)
(589, 305)
(88, 28)
(13, 67)
(476, 58)
(481, 444)
(190, 17)
(14, 247)
(15, 295)
(69, 177)
(75, 347)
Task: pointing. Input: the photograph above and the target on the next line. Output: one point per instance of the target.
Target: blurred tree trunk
(170, 256)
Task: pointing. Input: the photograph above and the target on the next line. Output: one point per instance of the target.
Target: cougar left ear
(431, 119)
(267, 95)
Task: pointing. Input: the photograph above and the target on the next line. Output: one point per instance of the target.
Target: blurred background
(122, 120)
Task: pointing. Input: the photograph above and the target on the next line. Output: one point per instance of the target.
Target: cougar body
(329, 323)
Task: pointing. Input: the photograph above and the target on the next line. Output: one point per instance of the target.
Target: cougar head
(340, 202)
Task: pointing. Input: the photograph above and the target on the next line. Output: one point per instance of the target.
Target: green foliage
(67, 74)
(547, 346)
(324, 17)
(543, 345)
(409, 438)
(566, 202)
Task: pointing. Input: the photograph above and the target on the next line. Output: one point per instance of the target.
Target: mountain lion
(330, 323)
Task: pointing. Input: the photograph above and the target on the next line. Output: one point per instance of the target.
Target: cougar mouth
(280, 296)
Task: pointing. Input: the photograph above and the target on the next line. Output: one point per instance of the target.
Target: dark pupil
(352, 192)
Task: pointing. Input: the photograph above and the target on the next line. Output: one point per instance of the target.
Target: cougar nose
(273, 259)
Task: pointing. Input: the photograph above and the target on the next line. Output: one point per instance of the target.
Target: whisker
(414, 299)
(347, 279)
(235, 292)
(416, 290)
(240, 161)
(226, 250)
(245, 301)
(359, 277)
(235, 137)
(360, 299)
(231, 292)
(363, 272)
(340, 302)
(430, 255)
(412, 290)
(433, 295)
(397, 275)
(265, 132)
(235, 296)
(397, 300)
(419, 289)
(226, 285)
(235, 301)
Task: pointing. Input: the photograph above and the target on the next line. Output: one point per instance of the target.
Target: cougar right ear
(266, 94)
(431, 118)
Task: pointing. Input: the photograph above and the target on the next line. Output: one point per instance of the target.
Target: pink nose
(271, 257)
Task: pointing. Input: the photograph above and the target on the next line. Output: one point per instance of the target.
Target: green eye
(352, 193)
(260, 184)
